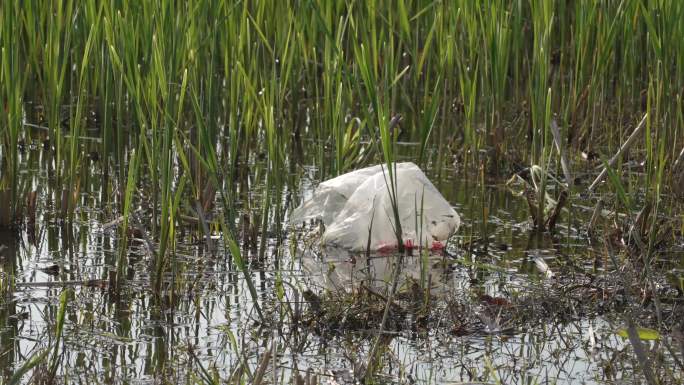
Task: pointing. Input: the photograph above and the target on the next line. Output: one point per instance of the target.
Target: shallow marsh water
(175, 112)
(493, 316)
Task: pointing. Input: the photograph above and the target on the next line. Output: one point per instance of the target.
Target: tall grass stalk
(12, 84)
(130, 188)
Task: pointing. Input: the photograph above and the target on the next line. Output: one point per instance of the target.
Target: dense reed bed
(184, 106)
(223, 80)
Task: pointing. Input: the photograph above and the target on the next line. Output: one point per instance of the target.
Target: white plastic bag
(357, 205)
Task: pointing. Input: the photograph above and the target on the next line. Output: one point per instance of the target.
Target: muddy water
(491, 318)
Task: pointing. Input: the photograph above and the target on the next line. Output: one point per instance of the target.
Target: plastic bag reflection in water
(348, 203)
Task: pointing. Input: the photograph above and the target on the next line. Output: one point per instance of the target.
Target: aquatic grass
(131, 57)
(423, 250)
(12, 85)
(480, 26)
(468, 65)
(235, 96)
(494, 20)
(33, 361)
(39, 358)
(379, 96)
(170, 200)
(130, 188)
(59, 329)
(644, 253)
(617, 184)
(226, 220)
(273, 180)
(430, 112)
(12, 104)
(333, 105)
(72, 181)
(55, 58)
(542, 22)
(588, 55)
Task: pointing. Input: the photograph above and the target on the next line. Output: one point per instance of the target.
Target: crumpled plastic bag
(357, 205)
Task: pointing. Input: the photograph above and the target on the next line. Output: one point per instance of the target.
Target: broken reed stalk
(533, 205)
(677, 175)
(639, 227)
(595, 216)
(555, 131)
(680, 159)
(551, 221)
(263, 365)
(625, 146)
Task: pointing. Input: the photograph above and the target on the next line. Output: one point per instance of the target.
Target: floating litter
(356, 209)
